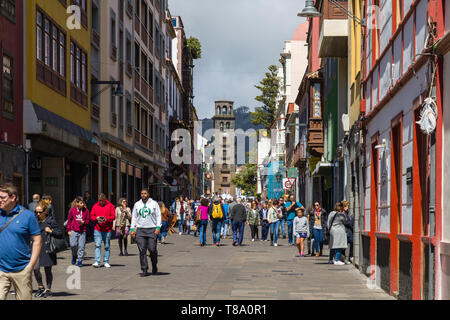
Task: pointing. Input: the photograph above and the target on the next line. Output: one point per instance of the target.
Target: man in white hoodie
(146, 217)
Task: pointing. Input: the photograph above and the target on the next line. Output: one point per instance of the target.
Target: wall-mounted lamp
(382, 145)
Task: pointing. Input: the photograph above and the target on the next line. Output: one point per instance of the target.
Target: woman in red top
(76, 229)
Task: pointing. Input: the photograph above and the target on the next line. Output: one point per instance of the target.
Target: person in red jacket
(103, 214)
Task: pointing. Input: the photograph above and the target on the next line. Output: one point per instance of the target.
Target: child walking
(301, 229)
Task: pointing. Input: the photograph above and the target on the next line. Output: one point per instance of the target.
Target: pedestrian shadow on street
(321, 263)
(117, 265)
(63, 294)
(161, 274)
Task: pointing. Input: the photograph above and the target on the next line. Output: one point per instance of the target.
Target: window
(231, 110)
(218, 110)
(137, 5)
(228, 125)
(144, 123)
(120, 44)
(62, 54)
(137, 116)
(151, 127)
(113, 36)
(221, 126)
(47, 42)
(39, 33)
(83, 72)
(8, 85)
(113, 102)
(150, 73)
(8, 9)
(83, 6)
(144, 17)
(50, 53)
(150, 29)
(78, 78)
(137, 57)
(121, 112)
(224, 110)
(128, 50)
(128, 111)
(144, 64)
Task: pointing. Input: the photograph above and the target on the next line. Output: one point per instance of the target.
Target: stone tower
(224, 148)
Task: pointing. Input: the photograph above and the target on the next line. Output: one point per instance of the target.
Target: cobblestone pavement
(255, 270)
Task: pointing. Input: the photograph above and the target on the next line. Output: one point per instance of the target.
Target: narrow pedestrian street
(255, 271)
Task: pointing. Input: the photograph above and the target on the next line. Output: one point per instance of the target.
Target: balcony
(129, 130)
(95, 39)
(299, 158)
(333, 31)
(315, 136)
(95, 111)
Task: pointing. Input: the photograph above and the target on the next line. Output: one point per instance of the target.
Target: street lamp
(116, 87)
(310, 11)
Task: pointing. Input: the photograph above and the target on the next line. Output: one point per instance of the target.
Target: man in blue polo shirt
(291, 205)
(17, 256)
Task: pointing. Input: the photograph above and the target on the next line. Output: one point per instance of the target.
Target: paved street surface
(188, 271)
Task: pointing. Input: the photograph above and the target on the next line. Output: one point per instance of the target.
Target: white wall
(381, 123)
(446, 153)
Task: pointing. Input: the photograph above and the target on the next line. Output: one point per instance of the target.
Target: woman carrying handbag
(47, 259)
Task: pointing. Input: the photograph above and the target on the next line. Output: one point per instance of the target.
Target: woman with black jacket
(46, 259)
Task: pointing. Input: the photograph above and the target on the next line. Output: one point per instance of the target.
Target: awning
(323, 169)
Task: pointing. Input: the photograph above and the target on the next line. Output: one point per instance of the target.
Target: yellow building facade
(57, 108)
(42, 92)
(354, 59)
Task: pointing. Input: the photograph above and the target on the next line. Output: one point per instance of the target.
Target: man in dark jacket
(349, 223)
(216, 219)
(238, 218)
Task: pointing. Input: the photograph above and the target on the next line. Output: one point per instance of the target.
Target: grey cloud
(240, 39)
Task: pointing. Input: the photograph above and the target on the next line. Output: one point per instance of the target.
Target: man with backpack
(216, 214)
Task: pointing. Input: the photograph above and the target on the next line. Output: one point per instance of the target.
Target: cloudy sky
(240, 39)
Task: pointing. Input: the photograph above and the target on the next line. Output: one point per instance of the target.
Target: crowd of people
(284, 217)
(34, 240)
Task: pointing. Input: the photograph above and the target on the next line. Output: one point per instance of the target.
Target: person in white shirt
(146, 217)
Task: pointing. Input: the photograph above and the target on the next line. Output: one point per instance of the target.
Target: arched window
(231, 110)
(218, 110)
(228, 125)
(221, 126)
(224, 110)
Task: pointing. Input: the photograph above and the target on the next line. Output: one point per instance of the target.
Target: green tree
(195, 46)
(246, 179)
(265, 115)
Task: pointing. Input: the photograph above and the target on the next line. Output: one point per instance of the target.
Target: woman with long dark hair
(122, 225)
(77, 225)
(47, 260)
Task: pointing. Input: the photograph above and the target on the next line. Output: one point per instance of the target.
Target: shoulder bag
(328, 230)
(11, 220)
(56, 245)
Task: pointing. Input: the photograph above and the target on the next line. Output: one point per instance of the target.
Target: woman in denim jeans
(317, 226)
(274, 217)
(203, 211)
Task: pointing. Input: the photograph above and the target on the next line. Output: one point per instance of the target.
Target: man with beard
(146, 217)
